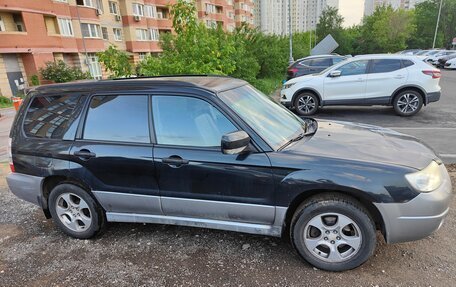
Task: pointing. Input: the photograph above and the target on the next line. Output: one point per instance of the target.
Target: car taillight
(435, 74)
(292, 71)
(10, 156)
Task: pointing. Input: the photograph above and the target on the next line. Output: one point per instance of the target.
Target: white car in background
(404, 82)
(450, 64)
(434, 59)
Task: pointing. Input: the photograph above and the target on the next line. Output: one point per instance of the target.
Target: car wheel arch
(416, 88)
(303, 196)
(309, 90)
(50, 182)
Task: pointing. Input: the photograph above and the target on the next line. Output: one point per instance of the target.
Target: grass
(268, 85)
(5, 102)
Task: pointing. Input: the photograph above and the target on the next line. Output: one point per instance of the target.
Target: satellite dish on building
(325, 46)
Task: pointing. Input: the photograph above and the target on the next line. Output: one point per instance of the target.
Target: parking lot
(34, 253)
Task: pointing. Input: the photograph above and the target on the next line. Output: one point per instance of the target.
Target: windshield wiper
(295, 139)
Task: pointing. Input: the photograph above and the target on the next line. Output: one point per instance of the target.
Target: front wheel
(306, 104)
(333, 232)
(407, 103)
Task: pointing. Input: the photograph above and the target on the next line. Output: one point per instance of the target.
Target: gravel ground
(34, 253)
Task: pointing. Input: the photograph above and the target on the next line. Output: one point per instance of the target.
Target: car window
(385, 65)
(407, 63)
(322, 62)
(353, 68)
(305, 63)
(337, 60)
(118, 118)
(51, 116)
(186, 121)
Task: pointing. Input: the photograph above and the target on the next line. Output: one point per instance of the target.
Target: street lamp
(290, 60)
(437, 24)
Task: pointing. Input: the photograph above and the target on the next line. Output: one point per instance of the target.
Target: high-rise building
(272, 16)
(35, 32)
(370, 5)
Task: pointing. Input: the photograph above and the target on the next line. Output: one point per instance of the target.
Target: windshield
(272, 122)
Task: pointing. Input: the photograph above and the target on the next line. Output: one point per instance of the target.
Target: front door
(113, 154)
(349, 87)
(195, 178)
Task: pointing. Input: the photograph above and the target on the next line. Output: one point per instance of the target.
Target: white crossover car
(404, 82)
(451, 64)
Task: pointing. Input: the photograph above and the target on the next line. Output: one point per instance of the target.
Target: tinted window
(118, 118)
(385, 65)
(353, 68)
(186, 121)
(305, 63)
(337, 60)
(323, 62)
(407, 63)
(51, 116)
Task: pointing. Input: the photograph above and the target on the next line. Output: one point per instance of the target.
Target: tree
(115, 61)
(59, 72)
(330, 22)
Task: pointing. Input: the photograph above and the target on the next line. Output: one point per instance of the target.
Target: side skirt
(270, 230)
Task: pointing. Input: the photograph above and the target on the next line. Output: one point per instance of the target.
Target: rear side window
(118, 118)
(323, 62)
(385, 65)
(407, 63)
(337, 60)
(51, 116)
(305, 63)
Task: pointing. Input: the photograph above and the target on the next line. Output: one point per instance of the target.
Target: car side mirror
(235, 142)
(335, 73)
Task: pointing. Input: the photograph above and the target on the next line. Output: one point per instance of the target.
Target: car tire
(407, 103)
(306, 104)
(333, 232)
(75, 211)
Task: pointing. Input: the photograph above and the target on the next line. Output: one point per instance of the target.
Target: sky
(352, 11)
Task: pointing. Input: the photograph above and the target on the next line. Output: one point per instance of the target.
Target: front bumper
(419, 217)
(26, 187)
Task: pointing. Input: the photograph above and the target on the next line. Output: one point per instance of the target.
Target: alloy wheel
(73, 212)
(306, 104)
(408, 103)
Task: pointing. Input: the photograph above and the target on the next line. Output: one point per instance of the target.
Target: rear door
(113, 154)
(385, 76)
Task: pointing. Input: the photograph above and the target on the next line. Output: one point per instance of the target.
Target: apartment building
(33, 32)
(370, 5)
(273, 15)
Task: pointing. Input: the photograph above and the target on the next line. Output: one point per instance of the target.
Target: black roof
(210, 83)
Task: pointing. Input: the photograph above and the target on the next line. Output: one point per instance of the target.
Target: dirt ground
(34, 253)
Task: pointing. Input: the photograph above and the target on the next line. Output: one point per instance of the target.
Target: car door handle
(360, 80)
(175, 161)
(399, 77)
(84, 154)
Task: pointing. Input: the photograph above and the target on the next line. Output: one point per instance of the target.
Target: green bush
(5, 102)
(59, 72)
(35, 81)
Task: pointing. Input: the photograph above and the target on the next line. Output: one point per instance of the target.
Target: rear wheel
(75, 212)
(306, 104)
(407, 103)
(333, 232)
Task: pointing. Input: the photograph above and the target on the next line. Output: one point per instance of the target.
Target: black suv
(214, 152)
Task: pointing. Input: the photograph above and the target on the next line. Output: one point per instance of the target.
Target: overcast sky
(352, 11)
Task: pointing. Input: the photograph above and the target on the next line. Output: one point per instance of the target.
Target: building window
(66, 27)
(142, 55)
(2, 25)
(138, 9)
(94, 66)
(63, 1)
(104, 33)
(211, 24)
(88, 3)
(150, 11)
(210, 9)
(154, 35)
(90, 30)
(113, 8)
(142, 35)
(117, 34)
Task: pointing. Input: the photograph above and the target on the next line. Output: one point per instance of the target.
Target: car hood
(360, 142)
(301, 79)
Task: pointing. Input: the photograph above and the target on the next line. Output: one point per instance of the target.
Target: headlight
(427, 179)
(287, 86)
